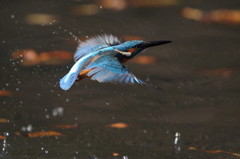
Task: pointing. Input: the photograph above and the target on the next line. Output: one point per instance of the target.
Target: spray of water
(66, 31)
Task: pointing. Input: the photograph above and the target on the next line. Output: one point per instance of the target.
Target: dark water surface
(199, 73)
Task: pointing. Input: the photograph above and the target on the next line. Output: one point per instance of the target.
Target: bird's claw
(123, 53)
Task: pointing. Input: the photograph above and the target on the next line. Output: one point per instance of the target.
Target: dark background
(199, 74)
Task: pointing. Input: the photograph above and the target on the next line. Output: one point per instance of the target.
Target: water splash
(27, 128)
(66, 31)
(5, 146)
(177, 142)
(58, 111)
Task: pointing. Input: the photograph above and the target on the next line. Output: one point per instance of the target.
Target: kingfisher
(101, 58)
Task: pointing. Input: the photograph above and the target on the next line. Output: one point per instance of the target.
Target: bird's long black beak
(155, 43)
(152, 43)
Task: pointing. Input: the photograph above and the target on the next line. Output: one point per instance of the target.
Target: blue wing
(94, 44)
(83, 55)
(109, 69)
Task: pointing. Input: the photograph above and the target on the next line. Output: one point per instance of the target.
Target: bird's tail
(67, 81)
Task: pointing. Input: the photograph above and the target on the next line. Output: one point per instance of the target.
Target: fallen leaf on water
(119, 125)
(224, 72)
(39, 134)
(115, 154)
(44, 133)
(144, 60)
(87, 9)
(2, 137)
(67, 126)
(55, 57)
(5, 93)
(113, 5)
(214, 151)
(153, 3)
(224, 16)
(30, 57)
(2, 120)
(41, 19)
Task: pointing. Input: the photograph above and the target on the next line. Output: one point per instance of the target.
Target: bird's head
(136, 46)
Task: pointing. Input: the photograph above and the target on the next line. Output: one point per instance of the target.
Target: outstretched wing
(109, 69)
(96, 43)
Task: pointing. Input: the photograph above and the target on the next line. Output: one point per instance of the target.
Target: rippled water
(199, 74)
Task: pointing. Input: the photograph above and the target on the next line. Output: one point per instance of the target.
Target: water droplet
(6, 133)
(93, 157)
(47, 116)
(27, 128)
(177, 144)
(124, 157)
(144, 131)
(58, 111)
(177, 137)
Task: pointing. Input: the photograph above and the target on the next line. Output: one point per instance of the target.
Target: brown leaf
(119, 125)
(5, 93)
(115, 154)
(223, 16)
(192, 13)
(41, 19)
(44, 133)
(113, 5)
(87, 9)
(214, 151)
(223, 72)
(153, 3)
(67, 126)
(55, 57)
(39, 134)
(30, 57)
(2, 137)
(2, 120)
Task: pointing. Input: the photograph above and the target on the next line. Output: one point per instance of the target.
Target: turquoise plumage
(101, 58)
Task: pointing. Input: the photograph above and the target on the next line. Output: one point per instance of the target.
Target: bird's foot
(123, 53)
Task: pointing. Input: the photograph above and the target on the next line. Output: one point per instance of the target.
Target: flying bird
(101, 58)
